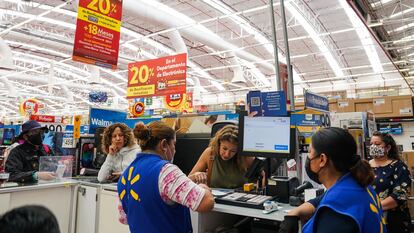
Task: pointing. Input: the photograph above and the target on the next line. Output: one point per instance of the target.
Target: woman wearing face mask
(121, 148)
(23, 161)
(155, 194)
(219, 166)
(392, 182)
(349, 204)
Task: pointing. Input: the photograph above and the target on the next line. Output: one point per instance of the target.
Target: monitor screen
(265, 136)
(8, 136)
(188, 150)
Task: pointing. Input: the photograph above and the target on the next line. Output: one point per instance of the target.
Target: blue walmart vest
(349, 198)
(146, 211)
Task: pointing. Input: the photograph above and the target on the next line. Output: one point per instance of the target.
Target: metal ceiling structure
(229, 46)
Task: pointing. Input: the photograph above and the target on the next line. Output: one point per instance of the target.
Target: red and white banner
(98, 32)
(157, 77)
(47, 118)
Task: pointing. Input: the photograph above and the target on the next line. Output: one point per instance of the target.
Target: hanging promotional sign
(76, 126)
(157, 77)
(98, 32)
(47, 118)
(317, 102)
(138, 109)
(29, 107)
(179, 102)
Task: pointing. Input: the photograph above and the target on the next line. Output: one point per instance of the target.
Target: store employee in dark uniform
(23, 161)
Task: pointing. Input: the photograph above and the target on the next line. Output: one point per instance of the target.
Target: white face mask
(376, 151)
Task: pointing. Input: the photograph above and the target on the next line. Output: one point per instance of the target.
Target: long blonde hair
(228, 133)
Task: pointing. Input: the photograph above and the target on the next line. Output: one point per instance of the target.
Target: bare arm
(207, 203)
(199, 172)
(202, 163)
(304, 211)
(388, 203)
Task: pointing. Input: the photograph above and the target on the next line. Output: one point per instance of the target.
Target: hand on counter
(199, 177)
(114, 176)
(46, 175)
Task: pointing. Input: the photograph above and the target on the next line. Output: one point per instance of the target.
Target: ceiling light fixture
(364, 37)
(316, 39)
(402, 12)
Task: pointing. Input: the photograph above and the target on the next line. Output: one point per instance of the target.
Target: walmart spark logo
(374, 208)
(132, 182)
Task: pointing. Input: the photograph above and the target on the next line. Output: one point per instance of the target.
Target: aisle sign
(157, 77)
(98, 32)
(76, 126)
(317, 102)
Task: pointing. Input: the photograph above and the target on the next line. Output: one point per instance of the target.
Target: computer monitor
(188, 148)
(270, 137)
(8, 136)
(1, 136)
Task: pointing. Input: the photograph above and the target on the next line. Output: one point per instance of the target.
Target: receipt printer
(282, 187)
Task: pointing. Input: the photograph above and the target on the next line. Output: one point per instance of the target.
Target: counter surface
(37, 186)
(256, 213)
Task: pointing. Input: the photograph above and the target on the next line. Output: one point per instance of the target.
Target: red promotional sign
(29, 107)
(157, 77)
(179, 102)
(138, 109)
(46, 118)
(98, 32)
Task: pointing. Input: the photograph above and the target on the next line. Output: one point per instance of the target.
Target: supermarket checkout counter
(57, 196)
(84, 206)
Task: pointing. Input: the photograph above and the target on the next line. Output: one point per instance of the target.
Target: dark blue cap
(30, 125)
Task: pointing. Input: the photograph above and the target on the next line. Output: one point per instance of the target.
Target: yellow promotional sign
(76, 126)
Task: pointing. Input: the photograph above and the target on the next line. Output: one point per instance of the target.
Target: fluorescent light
(402, 12)
(381, 2)
(317, 40)
(402, 28)
(364, 37)
(38, 48)
(34, 17)
(404, 39)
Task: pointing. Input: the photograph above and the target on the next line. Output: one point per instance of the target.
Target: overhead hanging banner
(98, 32)
(179, 102)
(29, 107)
(157, 77)
(47, 118)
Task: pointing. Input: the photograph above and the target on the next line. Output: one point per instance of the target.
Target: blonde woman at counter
(121, 148)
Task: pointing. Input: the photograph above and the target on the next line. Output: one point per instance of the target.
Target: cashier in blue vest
(155, 194)
(350, 204)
